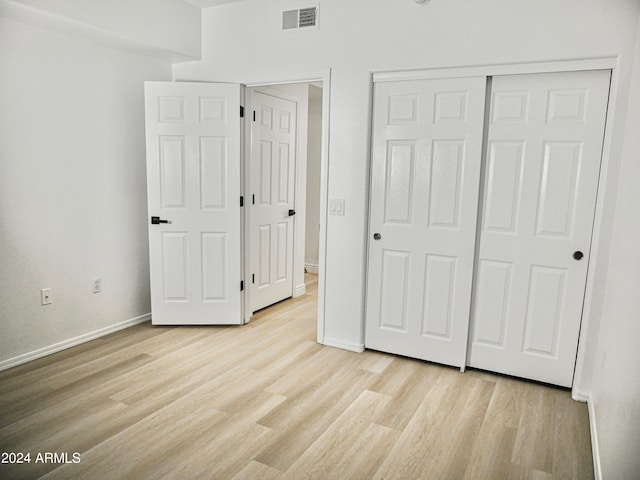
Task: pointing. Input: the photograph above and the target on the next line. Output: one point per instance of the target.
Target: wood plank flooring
(265, 401)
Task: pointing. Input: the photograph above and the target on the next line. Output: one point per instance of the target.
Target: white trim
(72, 342)
(311, 268)
(580, 396)
(307, 77)
(299, 290)
(324, 76)
(245, 190)
(598, 63)
(365, 293)
(595, 448)
(324, 202)
(581, 382)
(353, 347)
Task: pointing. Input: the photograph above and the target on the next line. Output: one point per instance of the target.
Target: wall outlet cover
(336, 206)
(45, 296)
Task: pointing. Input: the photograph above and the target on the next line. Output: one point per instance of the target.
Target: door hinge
(241, 111)
(254, 115)
(253, 278)
(241, 201)
(241, 285)
(253, 199)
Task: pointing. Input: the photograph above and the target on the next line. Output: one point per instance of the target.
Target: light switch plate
(336, 206)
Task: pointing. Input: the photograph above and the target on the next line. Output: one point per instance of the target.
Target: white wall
(169, 25)
(615, 397)
(72, 186)
(356, 37)
(312, 240)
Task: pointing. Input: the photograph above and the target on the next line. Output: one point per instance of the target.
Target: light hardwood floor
(265, 401)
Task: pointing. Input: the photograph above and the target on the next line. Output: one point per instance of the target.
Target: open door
(273, 171)
(193, 133)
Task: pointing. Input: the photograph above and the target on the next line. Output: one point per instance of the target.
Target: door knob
(292, 213)
(577, 255)
(158, 220)
(377, 236)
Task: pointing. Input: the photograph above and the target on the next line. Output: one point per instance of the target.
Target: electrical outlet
(46, 297)
(336, 206)
(96, 285)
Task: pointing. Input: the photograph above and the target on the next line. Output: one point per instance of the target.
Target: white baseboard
(595, 448)
(579, 396)
(311, 268)
(72, 342)
(299, 290)
(353, 347)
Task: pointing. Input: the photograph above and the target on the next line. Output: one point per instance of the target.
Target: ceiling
(209, 3)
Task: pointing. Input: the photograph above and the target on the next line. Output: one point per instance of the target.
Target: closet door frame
(596, 63)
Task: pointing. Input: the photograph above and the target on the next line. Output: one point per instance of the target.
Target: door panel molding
(557, 179)
(425, 175)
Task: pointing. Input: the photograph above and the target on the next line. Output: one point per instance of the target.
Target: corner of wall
(125, 39)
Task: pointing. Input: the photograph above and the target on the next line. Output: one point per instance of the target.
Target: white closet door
(427, 148)
(543, 160)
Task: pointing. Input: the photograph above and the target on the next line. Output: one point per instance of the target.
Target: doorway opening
(283, 184)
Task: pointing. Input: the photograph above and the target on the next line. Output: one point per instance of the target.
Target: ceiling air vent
(307, 17)
(301, 18)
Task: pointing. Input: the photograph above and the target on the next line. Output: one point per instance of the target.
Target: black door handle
(292, 213)
(577, 255)
(158, 220)
(377, 236)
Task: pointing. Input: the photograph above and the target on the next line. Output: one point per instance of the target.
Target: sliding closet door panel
(542, 166)
(427, 148)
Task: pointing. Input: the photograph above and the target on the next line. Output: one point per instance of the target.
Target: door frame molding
(320, 75)
(598, 63)
(591, 307)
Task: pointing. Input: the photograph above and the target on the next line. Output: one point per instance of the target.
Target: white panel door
(193, 183)
(273, 164)
(544, 147)
(427, 149)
